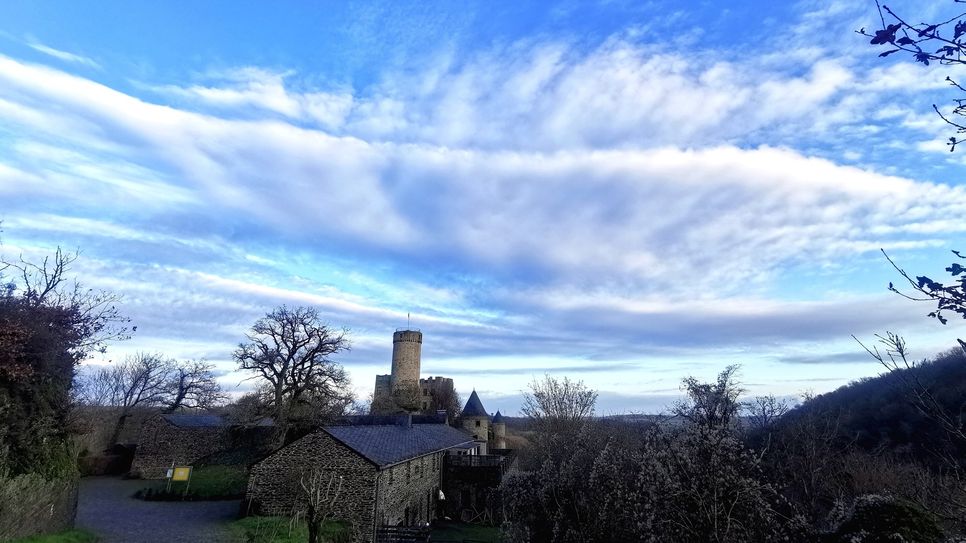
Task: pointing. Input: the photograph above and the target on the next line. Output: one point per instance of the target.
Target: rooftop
(385, 444)
(474, 407)
(195, 421)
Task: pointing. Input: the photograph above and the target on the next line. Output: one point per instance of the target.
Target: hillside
(877, 414)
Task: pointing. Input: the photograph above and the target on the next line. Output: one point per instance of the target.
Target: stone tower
(404, 380)
(474, 418)
(499, 431)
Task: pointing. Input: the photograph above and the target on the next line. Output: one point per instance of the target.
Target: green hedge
(70, 536)
(32, 504)
(284, 530)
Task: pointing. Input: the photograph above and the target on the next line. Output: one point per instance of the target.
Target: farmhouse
(383, 475)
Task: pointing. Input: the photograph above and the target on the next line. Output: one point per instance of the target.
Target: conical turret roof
(474, 407)
(498, 418)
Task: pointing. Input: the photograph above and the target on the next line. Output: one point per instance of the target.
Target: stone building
(388, 475)
(186, 439)
(176, 439)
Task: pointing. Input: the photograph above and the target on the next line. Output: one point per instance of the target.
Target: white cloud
(63, 55)
(555, 185)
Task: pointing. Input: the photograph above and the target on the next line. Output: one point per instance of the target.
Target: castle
(403, 391)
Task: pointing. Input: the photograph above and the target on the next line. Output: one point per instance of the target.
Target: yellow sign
(181, 474)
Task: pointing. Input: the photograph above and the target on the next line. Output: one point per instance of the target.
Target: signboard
(182, 473)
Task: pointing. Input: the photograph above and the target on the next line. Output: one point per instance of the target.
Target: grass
(459, 531)
(281, 530)
(207, 483)
(70, 536)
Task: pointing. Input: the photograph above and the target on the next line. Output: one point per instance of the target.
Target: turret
(499, 431)
(474, 418)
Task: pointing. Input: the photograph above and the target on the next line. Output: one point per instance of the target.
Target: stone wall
(273, 486)
(161, 443)
(408, 491)
(478, 426)
(32, 505)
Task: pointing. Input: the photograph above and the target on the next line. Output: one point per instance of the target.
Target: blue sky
(626, 193)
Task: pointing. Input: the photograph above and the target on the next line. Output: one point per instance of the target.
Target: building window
(425, 406)
(477, 424)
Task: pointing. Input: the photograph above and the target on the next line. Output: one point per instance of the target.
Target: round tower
(474, 419)
(499, 431)
(404, 380)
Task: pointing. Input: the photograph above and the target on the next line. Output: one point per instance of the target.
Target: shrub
(874, 517)
(31, 504)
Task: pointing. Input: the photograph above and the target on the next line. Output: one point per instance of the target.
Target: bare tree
(321, 491)
(139, 381)
(713, 405)
(191, 385)
(149, 380)
(290, 350)
(764, 411)
(558, 405)
(446, 399)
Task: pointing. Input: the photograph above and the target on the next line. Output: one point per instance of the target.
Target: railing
(402, 534)
(475, 460)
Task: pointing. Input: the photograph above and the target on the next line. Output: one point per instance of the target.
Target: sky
(626, 193)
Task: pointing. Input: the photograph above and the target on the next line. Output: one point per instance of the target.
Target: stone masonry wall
(273, 486)
(408, 491)
(162, 443)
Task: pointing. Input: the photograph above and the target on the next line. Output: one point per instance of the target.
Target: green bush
(284, 530)
(70, 536)
(207, 483)
(31, 504)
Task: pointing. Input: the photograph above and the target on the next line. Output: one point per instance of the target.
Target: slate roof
(195, 421)
(474, 407)
(498, 418)
(385, 444)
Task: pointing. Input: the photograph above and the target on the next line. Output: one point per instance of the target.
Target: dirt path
(106, 508)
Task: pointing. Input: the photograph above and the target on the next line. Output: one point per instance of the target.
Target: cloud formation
(541, 205)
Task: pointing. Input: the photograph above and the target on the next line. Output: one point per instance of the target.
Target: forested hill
(878, 414)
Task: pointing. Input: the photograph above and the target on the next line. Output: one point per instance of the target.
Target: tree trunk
(313, 526)
(118, 426)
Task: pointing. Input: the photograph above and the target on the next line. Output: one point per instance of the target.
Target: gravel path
(106, 508)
